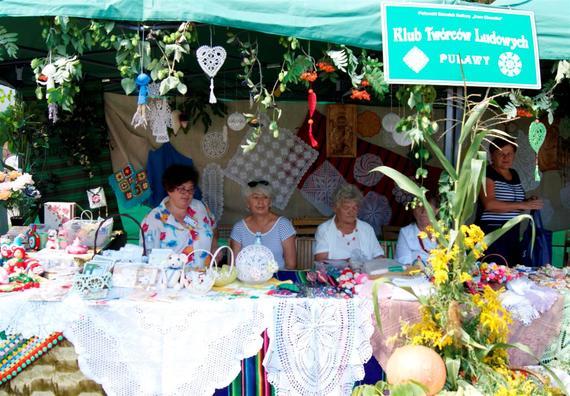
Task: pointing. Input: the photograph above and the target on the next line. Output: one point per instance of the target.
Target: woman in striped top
(276, 232)
(504, 200)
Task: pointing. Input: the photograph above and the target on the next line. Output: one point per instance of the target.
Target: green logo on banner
(450, 45)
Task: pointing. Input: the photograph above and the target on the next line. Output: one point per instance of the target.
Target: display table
(192, 345)
(537, 336)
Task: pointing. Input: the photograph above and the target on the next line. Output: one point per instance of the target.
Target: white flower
(21, 182)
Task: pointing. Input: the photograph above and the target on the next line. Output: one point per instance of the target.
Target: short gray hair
(260, 189)
(347, 192)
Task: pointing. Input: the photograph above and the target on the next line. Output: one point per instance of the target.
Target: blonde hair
(259, 189)
(347, 192)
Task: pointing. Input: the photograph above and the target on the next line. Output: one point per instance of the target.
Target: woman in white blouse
(410, 247)
(344, 236)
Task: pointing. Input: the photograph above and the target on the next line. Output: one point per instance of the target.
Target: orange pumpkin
(417, 363)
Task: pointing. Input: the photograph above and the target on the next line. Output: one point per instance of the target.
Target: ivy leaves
(8, 46)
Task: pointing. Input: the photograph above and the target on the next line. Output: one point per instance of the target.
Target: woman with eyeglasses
(503, 200)
(276, 232)
(180, 222)
(344, 236)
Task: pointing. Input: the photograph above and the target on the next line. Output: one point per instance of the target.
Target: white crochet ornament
(212, 186)
(159, 114)
(214, 145)
(255, 264)
(211, 60)
(236, 121)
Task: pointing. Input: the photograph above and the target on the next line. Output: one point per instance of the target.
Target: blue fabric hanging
(157, 162)
(541, 253)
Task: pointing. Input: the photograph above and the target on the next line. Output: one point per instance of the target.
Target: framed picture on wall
(341, 130)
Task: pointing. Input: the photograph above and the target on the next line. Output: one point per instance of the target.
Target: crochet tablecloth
(194, 345)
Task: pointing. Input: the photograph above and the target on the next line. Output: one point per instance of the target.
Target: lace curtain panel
(194, 345)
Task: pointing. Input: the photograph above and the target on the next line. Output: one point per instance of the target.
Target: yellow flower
(464, 277)
(440, 277)
(4, 195)
(2, 177)
(493, 317)
(422, 235)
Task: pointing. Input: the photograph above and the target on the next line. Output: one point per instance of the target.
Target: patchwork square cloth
(131, 186)
(282, 161)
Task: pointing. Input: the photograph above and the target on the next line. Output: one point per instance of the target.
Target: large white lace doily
(212, 186)
(282, 161)
(319, 346)
(214, 145)
(375, 210)
(320, 187)
(194, 345)
(362, 167)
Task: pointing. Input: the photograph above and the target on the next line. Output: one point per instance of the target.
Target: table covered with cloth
(537, 336)
(191, 345)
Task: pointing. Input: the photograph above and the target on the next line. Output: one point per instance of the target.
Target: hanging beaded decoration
(536, 136)
(142, 81)
(211, 60)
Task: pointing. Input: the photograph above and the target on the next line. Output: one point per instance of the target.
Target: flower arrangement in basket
(18, 193)
(468, 332)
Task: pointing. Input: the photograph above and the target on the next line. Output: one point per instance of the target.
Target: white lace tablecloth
(195, 345)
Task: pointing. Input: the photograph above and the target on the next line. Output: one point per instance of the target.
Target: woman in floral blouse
(180, 222)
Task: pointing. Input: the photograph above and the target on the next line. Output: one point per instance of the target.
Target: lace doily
(212, 186)
(401, 138)
(558, 353)
(362, 167)
(390, 121)
(386, 139)
(236, 121)
(526, 301)
(282, 160)
(375, 210)
(318, 346)
(159, 114)
(401, 196)
(524, 162)
(214, 145)
(194, 345)
(320, 187)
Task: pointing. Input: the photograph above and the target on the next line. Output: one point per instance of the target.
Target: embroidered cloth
(282, 161)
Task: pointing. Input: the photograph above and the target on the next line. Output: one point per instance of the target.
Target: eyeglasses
(182, 190)
(254, 183)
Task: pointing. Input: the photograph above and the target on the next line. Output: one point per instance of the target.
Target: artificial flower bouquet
(18, 193)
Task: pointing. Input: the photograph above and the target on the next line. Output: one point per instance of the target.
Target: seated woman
(277, 233)
(344, 236)
(410, 247)
(180, 222)
(503, 199)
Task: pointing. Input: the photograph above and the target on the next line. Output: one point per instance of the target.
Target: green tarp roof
(352, 22)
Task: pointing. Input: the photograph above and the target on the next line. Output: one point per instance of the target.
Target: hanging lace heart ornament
(536, 136)
(211, 60)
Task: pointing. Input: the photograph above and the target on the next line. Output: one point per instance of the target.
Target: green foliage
(197, 108)
(68, 73)
(410, 388)
(22, 129)
(8, 46)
